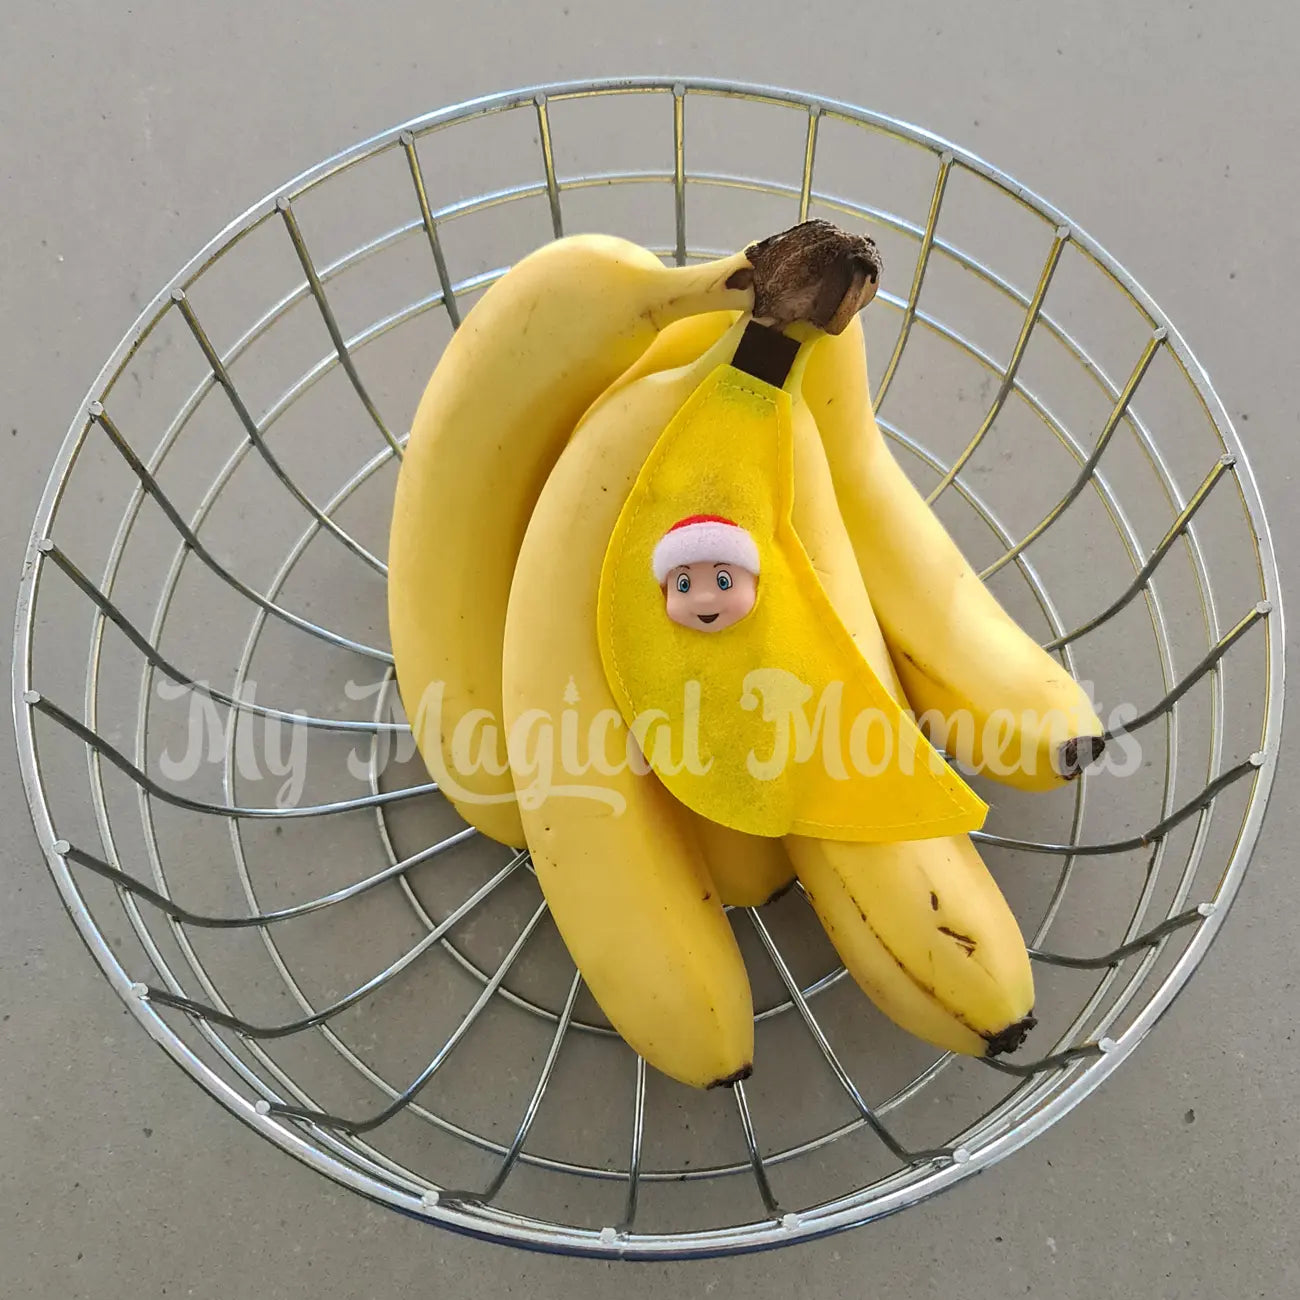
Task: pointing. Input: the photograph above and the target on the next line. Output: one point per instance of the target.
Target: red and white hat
(704, 538)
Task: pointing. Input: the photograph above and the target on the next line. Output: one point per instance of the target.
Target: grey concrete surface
(129, 134)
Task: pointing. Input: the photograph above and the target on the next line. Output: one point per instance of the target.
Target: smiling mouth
(706, 618)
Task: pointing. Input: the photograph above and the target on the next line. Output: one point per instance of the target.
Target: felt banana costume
(776, 724)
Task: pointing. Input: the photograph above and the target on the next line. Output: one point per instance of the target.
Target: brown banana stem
(813, 272)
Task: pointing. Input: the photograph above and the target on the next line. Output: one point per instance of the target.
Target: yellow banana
(923, 929)
(920, 924)
(619, 860)
(542, 344)
(678, 344)
(748, 870)
(982, 688)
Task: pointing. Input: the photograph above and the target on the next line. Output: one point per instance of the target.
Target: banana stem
(708, 287)
(813, 272)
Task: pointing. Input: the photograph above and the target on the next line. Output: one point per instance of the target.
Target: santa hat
(704, 538)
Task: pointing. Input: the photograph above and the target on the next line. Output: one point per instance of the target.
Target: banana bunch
(526, 445)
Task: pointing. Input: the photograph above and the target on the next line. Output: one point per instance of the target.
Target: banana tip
(731, 1080)
(1010, 1038)
(1073, 756)
(780, 892)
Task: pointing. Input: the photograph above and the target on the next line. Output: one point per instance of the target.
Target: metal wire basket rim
(836, 1215)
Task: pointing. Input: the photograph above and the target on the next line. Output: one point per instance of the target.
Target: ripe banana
(678, 344)
(928, 937)
(920, 924)
(540, 346)
(748, 870)
(619, 861)
(982, 688)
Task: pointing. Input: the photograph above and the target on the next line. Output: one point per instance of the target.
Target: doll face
(709, 597)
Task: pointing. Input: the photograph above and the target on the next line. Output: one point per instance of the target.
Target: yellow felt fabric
(729, 720)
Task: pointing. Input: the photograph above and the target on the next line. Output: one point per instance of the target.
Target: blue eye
(724, 580)
(683, 582)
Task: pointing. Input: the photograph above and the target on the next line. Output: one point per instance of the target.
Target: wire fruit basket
(224, 786)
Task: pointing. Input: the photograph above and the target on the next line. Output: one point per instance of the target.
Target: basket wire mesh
(578, 1148)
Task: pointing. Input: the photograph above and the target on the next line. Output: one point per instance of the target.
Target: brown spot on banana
(1006, 1039)
(920, 667)
(964, 939)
